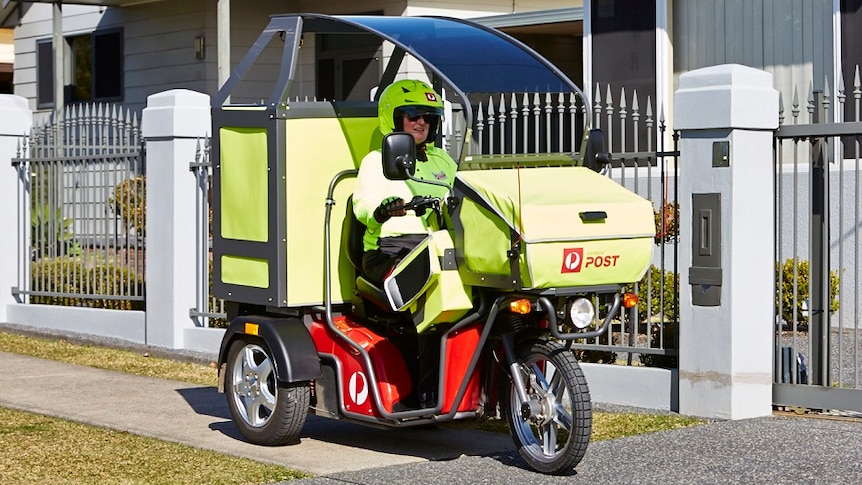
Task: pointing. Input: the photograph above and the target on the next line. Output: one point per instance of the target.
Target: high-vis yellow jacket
(372, 187)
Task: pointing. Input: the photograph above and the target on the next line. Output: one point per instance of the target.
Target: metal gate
(81, 210)
(817, 184)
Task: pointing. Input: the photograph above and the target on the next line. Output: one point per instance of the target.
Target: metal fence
(554, 122)
(81, 210)
(818, 221)
(529, 123)
(208, 310)
(645, 164)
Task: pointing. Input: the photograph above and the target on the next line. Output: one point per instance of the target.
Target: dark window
(81, 85)
(44, 74)
(96, 65)
(347, 66)
(108, 65)
(624, 56)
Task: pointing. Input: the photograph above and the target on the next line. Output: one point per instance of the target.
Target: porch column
(726, 116)
(16, 119)
(172, 123)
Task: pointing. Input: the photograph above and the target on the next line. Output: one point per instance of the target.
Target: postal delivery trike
(530, 251)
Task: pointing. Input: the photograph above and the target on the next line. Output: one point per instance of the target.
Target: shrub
(660, 301)
(667, 223)
(784, 296)
(130, 203)
(212, 303)
(52, 274)
(666, 340)
(659, 304)
(595, 356)
(51, 233)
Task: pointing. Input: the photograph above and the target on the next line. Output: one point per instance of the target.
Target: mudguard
(288, 340)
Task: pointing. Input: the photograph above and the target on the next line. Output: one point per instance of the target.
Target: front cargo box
(550, 227)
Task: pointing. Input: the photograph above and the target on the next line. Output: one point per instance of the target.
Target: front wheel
(264, 413)
(552, 428)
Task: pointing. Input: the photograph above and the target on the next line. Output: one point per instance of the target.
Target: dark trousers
(420, 352)
(376, 265)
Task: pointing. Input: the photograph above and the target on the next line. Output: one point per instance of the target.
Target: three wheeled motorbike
(530, 251)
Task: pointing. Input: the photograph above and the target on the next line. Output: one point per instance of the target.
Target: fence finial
(857, 85)
(857, 92)
(780, 109)
(623, 105)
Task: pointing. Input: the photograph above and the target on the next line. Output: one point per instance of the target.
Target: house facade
(125, 50)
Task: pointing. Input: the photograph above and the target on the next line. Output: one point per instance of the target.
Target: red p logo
(572, 259)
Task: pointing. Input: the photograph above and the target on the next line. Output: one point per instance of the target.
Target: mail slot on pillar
(704, 275)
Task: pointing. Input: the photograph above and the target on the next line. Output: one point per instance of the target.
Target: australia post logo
(574, 260)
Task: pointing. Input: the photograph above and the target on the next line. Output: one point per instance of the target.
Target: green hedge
(663, 308)
(655, 306)
(71, 275)
(784, 295)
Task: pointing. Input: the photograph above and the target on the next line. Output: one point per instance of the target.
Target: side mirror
(595, 157)
(399, 156)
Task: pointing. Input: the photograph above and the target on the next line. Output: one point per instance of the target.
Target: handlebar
(421, 203)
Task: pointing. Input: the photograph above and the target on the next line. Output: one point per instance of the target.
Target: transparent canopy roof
(473, 58)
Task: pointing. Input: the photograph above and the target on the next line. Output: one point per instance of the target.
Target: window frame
(45, 76)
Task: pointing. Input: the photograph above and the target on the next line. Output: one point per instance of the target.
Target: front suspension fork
(508, 340)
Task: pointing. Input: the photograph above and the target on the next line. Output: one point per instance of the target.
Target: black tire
(553, 430)
(264, 413)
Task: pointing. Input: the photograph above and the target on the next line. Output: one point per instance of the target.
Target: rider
(411, 106)
(414, 107)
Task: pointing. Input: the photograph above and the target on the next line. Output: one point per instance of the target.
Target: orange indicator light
(522, 306)
(630, 300)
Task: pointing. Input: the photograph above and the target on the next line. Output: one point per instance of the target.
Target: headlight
(581, 312)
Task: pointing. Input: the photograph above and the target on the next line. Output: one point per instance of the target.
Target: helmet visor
(414, 111)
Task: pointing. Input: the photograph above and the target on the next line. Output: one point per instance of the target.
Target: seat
(352, 234)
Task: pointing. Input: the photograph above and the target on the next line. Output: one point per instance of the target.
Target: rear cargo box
(550, 227)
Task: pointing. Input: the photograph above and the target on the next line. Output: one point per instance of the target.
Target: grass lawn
(40, 449)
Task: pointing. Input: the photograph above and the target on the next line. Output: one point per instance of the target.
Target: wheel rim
(545, 434)
(253, 385)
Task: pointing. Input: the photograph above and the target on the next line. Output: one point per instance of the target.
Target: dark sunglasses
(428, 118)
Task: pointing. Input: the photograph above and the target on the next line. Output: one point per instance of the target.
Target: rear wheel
(264, 413)
(552, 429)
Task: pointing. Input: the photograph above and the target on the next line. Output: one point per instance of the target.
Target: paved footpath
(767, 450)
(199, 416)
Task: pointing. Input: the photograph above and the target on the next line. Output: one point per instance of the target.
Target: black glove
(391, 206)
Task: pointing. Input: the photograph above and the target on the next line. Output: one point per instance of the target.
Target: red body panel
(460, 347)
(393, 380)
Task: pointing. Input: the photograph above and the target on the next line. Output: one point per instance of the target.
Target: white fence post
(726, 115)
(172, 123)
(16, 119)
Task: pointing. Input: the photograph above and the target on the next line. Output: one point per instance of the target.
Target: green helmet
(409, 96)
